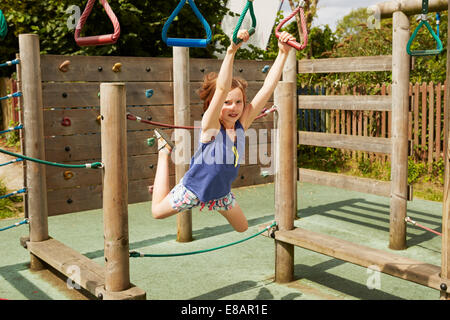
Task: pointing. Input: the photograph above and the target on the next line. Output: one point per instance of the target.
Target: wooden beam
(285, 170)
(370, 103)
(409, 7)
(115, 185)
(182, 117)
(100, 68)
(445, 264)
(399, 132)
(398, 266)
(353, 64)
(33, 120)
(80, 270)
(372, 186)
(342, 141)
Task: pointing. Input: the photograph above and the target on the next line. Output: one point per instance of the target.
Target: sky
(330, 11)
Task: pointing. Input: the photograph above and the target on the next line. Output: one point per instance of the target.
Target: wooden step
(395, 265)
(91, 275)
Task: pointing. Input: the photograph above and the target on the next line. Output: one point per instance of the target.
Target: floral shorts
(183, 199)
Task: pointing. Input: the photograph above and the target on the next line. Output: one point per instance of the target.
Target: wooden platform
(383, 261)
(91, 275)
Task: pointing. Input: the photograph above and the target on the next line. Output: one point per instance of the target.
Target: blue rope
(9, 63)
(13, 95)
(438, 22)
(184, 42)
(20, 126)
(12, 161)
(24, 221)
(23, 190)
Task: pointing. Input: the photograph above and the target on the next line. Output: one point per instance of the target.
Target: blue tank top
(215, 165)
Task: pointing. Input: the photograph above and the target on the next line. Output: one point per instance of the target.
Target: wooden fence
(428, 109)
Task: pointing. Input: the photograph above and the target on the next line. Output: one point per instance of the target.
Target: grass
(427, 179)
(11, 207)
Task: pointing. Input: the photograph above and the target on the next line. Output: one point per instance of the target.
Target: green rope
(94, 165)
(424, 22)
(3, 26)
(135, 254)
(252, 30)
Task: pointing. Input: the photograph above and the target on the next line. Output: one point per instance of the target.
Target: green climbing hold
(3, 26)
(151, 142)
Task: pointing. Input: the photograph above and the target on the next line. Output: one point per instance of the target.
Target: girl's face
(233, 107)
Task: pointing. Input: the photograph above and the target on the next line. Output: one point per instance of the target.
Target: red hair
(206, 91)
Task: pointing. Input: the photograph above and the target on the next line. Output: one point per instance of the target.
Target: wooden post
(290, 75)
(33, 121)
(284, 194)
(445, 251)
(400, 109)
(182, 117)
(115, 185)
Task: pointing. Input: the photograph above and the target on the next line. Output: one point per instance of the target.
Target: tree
(141, 23)
(356, 37)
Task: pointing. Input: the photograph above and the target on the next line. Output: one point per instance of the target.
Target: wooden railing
(426, 129)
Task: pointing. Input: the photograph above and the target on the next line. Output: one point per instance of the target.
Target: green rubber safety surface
(244, 271)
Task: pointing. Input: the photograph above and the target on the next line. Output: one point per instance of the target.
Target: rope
(20, 126)
(295, 44)
(23, 190)
(3, 26)
(10, 162)
(135, 254)
(165, 125)
(93, 165)
(102, 39)
(248, 6)
(12, 95)
(408, 219)
(24, 221)
(424, 22)
(9, 63)
(185, 42)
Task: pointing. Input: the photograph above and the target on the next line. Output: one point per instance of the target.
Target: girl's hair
(206, 91)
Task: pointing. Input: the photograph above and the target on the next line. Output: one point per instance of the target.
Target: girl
(215, 164)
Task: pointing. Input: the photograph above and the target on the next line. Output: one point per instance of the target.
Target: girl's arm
(210, 120)
(252, 110)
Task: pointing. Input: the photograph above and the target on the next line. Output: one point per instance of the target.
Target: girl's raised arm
(259, 101)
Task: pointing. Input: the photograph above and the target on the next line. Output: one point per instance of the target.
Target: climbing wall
(70, 89)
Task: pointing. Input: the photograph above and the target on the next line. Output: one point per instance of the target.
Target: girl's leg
(161, 207)
(236, 218)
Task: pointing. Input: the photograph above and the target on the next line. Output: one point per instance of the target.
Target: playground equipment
(186, 42)
(248, 8)
(287, 236)
(295, 44)
(65, 125)
(102, 39)
(424, 22)
(3, 26)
